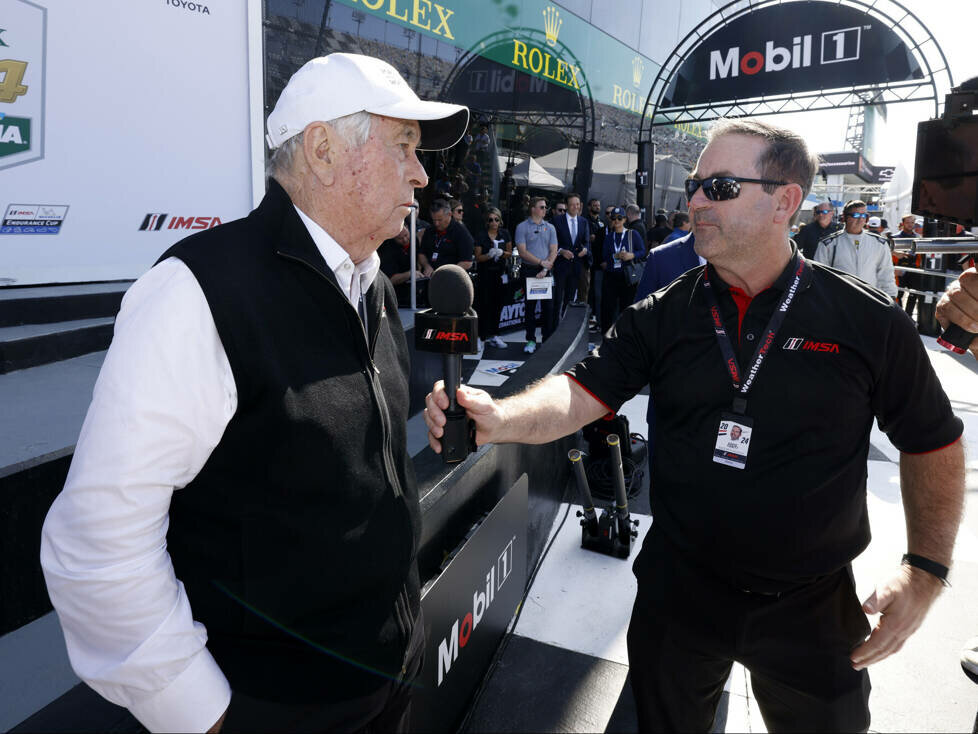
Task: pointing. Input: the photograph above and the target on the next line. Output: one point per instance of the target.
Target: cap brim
(442, 124)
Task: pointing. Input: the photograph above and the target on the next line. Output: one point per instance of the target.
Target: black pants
(545, 322)
(489, 301)
(565, 284)
(688, 627)
(388, 709)
(616, 296)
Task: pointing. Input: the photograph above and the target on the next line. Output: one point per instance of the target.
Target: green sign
(534, 36)
(15, 135)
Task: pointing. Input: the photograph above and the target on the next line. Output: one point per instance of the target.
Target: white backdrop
(145, 112)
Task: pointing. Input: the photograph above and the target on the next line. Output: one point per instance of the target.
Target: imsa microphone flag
(791, 48)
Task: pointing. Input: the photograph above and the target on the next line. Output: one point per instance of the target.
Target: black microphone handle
(452, 364)
(956, 339)
(456, 440)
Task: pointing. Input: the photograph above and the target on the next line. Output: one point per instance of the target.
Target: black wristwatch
(925, 564)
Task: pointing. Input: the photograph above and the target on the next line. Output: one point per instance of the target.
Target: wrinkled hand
(568, 255)
(902, 604)
(478, 404)
(959, 305)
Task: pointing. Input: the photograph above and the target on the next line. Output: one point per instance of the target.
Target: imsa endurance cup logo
(22, 43)
(33, 219)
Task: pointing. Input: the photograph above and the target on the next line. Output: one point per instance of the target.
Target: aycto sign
(791, 47)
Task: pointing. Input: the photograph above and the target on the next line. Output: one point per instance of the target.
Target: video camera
(945, 189)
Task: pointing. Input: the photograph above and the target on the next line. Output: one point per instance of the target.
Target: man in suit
(664, 265)
(573, 250)
(260, 368)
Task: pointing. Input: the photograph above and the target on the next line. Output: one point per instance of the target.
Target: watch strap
(925, 564)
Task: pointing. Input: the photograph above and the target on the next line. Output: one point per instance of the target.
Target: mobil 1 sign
(788, 48)
(467, 610)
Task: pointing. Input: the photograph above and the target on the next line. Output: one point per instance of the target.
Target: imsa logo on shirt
(796, 344)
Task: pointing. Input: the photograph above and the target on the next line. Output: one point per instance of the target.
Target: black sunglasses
(618, 216)
(723, 188)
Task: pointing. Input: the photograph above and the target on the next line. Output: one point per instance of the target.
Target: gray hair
(633, 210)
(353, 128)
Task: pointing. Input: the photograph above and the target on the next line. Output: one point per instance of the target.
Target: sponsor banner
(854, 164)
(33, 219)
(22, 77)
(556, 49)
(71, 135)
(791, 47)
(467, 610)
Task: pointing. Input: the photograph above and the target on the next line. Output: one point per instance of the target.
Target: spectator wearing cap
(875, 224)
(681, 227)
(261, 368)
(821, 226)
(621, 245)
(854, 250)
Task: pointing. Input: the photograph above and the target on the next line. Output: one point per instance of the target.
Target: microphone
(450, 328)
(956, 339)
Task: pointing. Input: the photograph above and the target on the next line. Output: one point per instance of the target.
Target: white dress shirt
(160, 405)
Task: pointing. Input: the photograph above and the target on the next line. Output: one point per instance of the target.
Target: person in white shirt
(859, 251)
(243, 462)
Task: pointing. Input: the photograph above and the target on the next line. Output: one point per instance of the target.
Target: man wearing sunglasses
(859, 251)
(749, 556)
(820, 227)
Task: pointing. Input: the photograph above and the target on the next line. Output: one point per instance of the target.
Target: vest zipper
(374, 379)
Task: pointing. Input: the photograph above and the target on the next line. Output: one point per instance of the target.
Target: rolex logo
(551, 24)
(638, 66)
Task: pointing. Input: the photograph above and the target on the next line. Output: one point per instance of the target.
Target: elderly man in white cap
(261, 369)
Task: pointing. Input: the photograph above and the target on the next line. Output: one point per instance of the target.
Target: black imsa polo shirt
(845, 354)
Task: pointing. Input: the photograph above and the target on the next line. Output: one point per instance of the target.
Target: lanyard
(743, 386)
(618, 242)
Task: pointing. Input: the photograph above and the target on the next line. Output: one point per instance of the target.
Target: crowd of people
(590, 253)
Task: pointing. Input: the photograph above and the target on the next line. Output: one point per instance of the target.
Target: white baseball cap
(333, 86)
(874, 222)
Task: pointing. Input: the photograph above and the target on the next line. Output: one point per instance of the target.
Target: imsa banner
(467, 611)
(791, 47)
(124, 127)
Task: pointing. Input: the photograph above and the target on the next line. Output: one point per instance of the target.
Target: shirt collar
(340, 263)
(780, 283)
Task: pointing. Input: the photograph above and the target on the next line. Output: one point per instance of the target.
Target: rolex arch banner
(791, 48)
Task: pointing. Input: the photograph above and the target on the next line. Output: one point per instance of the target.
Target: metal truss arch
(584, 120)
(936, 82)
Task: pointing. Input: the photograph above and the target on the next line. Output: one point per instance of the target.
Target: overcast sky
(954, 25)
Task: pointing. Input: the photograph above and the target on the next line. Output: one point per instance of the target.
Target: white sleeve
(821, 254)
(885, 279)
(163, 398)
